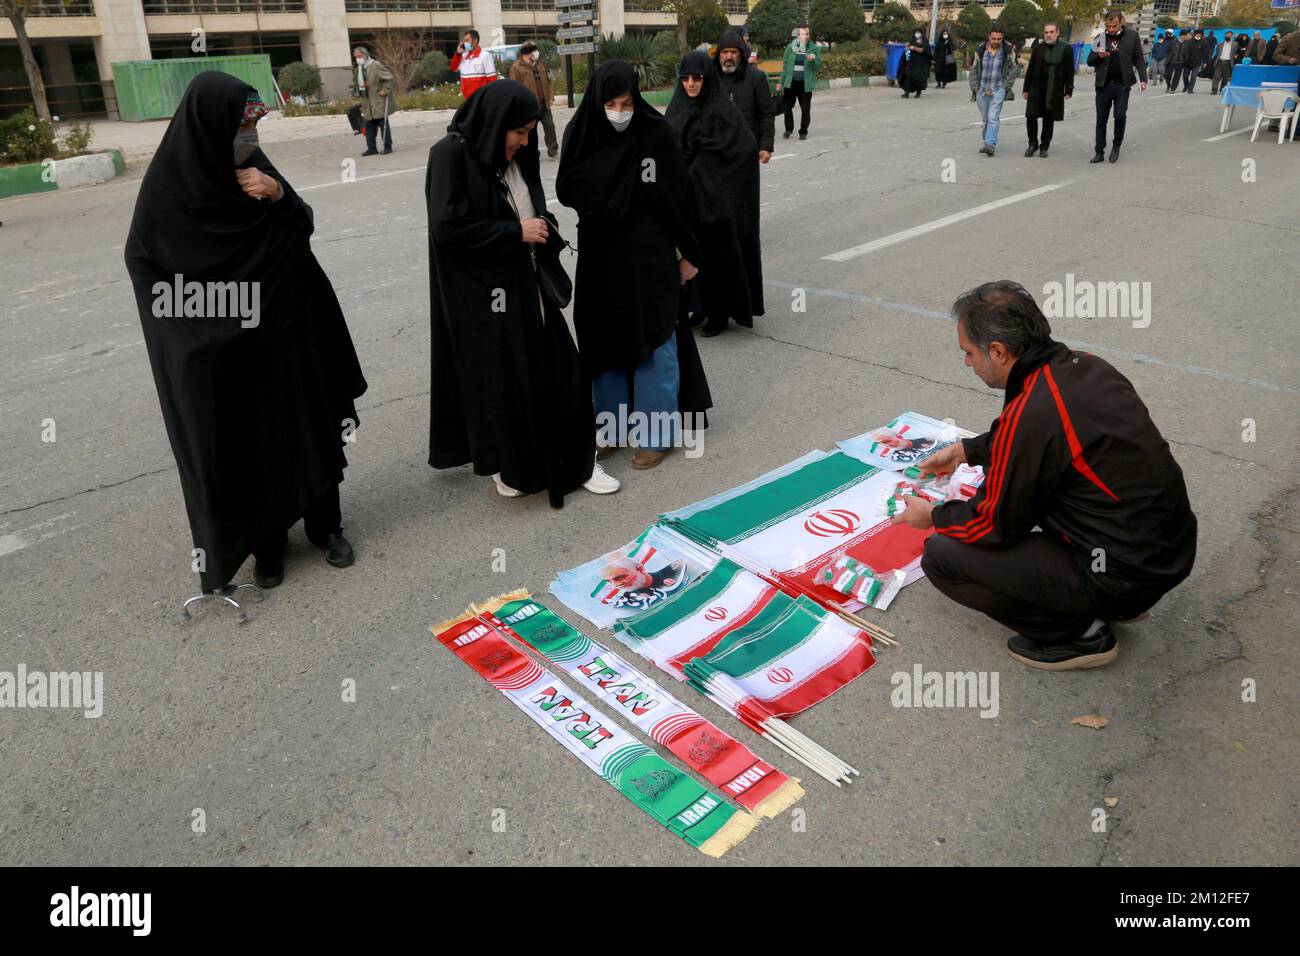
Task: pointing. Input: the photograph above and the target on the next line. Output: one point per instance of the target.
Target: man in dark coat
(1083, 519)
(1049, 82)
(257, 406)
(1119, 63)
(747, 87)
(1194, 54)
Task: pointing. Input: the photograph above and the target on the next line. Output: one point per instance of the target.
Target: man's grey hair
(1002, 311)
(360, 49)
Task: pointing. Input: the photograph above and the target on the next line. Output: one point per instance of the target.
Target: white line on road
(361, 179)
(1139, 357)
(847, 254)
(1235, 132)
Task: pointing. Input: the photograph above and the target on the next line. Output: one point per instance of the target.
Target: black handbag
(552, 280)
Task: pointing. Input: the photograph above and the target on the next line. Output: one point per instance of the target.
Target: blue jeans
(649, 391)
(991, 113)
(1111, 95)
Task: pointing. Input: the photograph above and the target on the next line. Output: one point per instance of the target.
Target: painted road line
(1235, 132)
(875, 244)
(361, 179)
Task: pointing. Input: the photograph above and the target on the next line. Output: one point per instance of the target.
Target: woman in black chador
(621, 171)
(255, 368)
(508, 394)
(718, 147)
(914, 73)
(945, 59)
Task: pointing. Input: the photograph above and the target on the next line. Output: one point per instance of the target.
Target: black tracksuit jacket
(1075, 452)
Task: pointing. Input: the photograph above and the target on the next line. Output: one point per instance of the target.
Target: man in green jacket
(798, 80)
(374, 84)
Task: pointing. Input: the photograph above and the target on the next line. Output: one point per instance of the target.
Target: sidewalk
(137, 141)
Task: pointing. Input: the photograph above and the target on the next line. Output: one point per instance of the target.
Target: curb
(89, 170)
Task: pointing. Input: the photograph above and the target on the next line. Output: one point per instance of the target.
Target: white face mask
(620, 121)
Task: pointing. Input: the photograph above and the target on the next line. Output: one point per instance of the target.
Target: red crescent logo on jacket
(716, 614)
(780, 675)
(827, 524)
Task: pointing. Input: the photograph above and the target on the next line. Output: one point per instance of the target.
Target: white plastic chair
(1271, 105)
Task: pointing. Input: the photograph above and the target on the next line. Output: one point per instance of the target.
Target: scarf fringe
(733, 831)
(494, 604)
(490, 606)
(781, 799)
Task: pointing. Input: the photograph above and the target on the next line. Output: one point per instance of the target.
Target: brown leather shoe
(606, 451)
(644, 460)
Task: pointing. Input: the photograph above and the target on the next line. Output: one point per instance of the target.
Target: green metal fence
(152, 89)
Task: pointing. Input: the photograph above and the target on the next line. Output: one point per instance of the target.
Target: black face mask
(245, 144)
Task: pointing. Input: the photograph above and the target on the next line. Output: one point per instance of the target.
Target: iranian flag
(798, 521)
(785, 653)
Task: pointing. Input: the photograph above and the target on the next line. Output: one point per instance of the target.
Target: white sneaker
(601, 483)
(504, 490)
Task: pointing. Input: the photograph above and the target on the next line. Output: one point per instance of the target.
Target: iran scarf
(800, 521)
(783, 653)
(712, 753)
(697, 815)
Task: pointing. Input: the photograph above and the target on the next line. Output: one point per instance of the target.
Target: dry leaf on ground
(1095, 721)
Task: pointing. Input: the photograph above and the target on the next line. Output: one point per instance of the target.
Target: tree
(16, 11)
(1020, 20)
(1167, 23)
(400, 51)
(836, 21)
(1213, 23)
(1248, 13)
(685, 12)
(973, 23)
(707, 24)
(771, 23)
(892, 21)
(1082, 13)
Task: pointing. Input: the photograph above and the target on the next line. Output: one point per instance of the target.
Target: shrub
(579, 77)
(299, 79)
(26, 139)
(445, 97)
(432, 71)
(864, 57)
(74, 139)
(638, 50)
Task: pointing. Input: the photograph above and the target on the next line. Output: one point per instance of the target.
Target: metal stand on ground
(223, 595)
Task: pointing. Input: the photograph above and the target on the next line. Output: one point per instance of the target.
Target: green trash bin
(152, 89)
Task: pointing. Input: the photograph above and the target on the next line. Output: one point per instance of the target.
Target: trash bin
(893, 58)
(152, 89)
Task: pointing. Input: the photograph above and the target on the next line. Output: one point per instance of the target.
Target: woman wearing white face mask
(945, 60)
(914, 74)
(620, 170)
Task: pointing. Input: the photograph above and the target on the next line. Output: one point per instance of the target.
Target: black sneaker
(1033, 148)
(371, 152)
(269, 572)
(1042, 153)
(338, 551)
(1098, 157)
(1095, 651)
(1114, 154)
(803, 135)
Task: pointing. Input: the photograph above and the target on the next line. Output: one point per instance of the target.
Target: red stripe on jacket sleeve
(982, 524)
(1076, 449)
